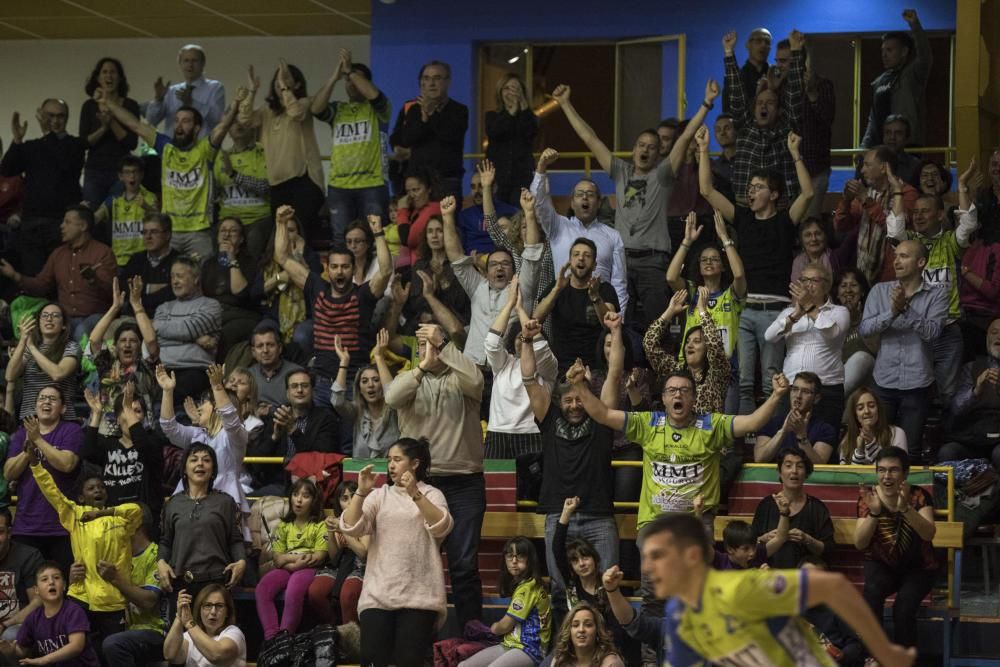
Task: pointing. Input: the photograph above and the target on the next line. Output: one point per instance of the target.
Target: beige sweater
(444, 408)
(289, 141)
(404, 569)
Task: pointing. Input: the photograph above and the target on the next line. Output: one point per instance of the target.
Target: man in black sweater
(153, 265)
(51, 166)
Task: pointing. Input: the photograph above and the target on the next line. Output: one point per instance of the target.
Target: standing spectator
(51, 167)
(80, 270)
(510, 131)
(642, 190)
(45, 354)
(206, 627)
(375, 424)
(403, 601)
(869, 430)
(152, 267)
(909, 314)
(813, 330)
(562, 232)
(206, 96)
(123, 213)
(358, 184)
(18, 564)
(187, 329)
(900, 88)
(979, 290)
(413, 214)
(895, 529)
(430, 131)
(36, 523)
(109, 140)
(269, 368)
(294, 169)
(810, 530)
(859, 352)
(433, 285)
(242, 189)
(227, 277)
(802, 427)
(722, 166)
(187, 158)
(764, 120)
(440, 400)
(667, 130)
(758, 47)
(472, 220)
(767, 238)
(816, 248)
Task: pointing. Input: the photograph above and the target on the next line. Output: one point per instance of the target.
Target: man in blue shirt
(471, 220)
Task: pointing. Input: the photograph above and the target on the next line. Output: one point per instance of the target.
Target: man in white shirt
(208, 96)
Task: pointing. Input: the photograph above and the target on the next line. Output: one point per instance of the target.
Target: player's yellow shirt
(747, 618)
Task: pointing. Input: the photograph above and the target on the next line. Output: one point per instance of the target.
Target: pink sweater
(404, 569)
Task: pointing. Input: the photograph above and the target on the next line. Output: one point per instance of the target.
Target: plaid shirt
(764, 148)
(817, 127)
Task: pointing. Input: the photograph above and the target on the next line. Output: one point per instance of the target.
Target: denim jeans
(133, 648)
(196, 244)
(346, 206)
(598, 529)
(647, 290)
(466, 496)
(753, 324)
(303, 337)
(907, 409)
(947, 361)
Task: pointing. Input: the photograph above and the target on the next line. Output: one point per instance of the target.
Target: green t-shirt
(678, 464)
(746, 618)
(126, 223)
(144, 575)
(531, 608)
(187, 183)
(943, 265)
(360, 143)
(724, 309)
(290, 539)
(236, 201)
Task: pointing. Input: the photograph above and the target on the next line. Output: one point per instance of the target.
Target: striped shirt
(180, 323)
(35, 378)
(348, 316)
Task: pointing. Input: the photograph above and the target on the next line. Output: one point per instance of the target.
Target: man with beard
(187, 170)
(578, 302)
(810, 530)
(762, 122)
(471, 220)
(576, 458)
(801, 427)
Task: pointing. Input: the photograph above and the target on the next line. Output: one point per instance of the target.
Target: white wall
(33, 70)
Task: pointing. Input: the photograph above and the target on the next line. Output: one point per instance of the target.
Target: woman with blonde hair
(584, 640)
(868, 429)
(511, 131)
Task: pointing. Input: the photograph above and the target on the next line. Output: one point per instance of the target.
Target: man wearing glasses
(153, 265)
(801, 427)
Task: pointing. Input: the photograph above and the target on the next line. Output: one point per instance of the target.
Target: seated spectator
(300, 425)
(413, 214)
(80, 271)
(741, 550)
(207, 96)
(864, 208)
(187, 329)
(578, 302)
(357, 187)
(219, 427)
(227, 278)
(472, 225)
(895, 529)
(205, 627)
(243, 191)
(200, 542)
(561, 232)
(294, 168)
(153, 265)
(896, 135)
(510, 131)
(375, 424)
(933, 178)
(404, 600)
(45, 354)
(944, 247)
(187, 158)
(56, 627)
(703, 353)
(802, 427)
(976, 407)
(334, 593)
(269, 368)
(36, 523)
(869, 430)
(767, 238)
(816, 248)
(131, 463)
(813, 330)
(979, 289)
(18, 564)
(142, 642)
(850, 290)
(810, 531)
(124, 213)
(900, 89)
(51, 168)
(584, 639)
(908, 314)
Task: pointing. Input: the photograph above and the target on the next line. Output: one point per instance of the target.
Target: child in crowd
(740, 551)
(299, 548)
(341, 579)
(56, 633)
(96, 533)
(527, 625)
(126, 211)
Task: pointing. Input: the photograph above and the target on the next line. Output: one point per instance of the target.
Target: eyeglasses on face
(216, 606)
(52, 315)
(677, 391)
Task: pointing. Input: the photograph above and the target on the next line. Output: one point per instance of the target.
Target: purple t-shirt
(47, 635)
(35, 515)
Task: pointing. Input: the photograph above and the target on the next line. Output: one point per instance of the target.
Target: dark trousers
(348, 205)
(647, 289)
(466, 496)
(105, 624)
(55, 548)
(910, 585)
(133, 648)
(830, 408)
(907, 409)
(307, 199)
(402, 637)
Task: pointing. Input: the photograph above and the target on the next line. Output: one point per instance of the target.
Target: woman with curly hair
(584, 641)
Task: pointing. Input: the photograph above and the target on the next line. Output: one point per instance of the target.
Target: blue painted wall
(408, 33)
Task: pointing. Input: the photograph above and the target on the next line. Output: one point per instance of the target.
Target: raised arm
(705, 185)
(452, 242)
(218, 133)
(562, 97)
(680, 147)
(800, 206)
(598, 411)
(739, 284)
(443, 315)
(546, 305)
(661, 361)
(101, 328)
(146, 327)
(616, 359)
(548, 218)
(692, 230)
(487, 176)
(496, 354)
(380, 280)
(735, 100)
(968, 180)
(538, 393)
(297, 271)
(125, 117)
(755, 421)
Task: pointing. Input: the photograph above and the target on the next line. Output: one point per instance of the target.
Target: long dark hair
(92, 83)
(57, 349)
(858, 276)
(274, 102)
(418, 450)
(346, 485)
(315, 507)
(694, 268)
(519, 546)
